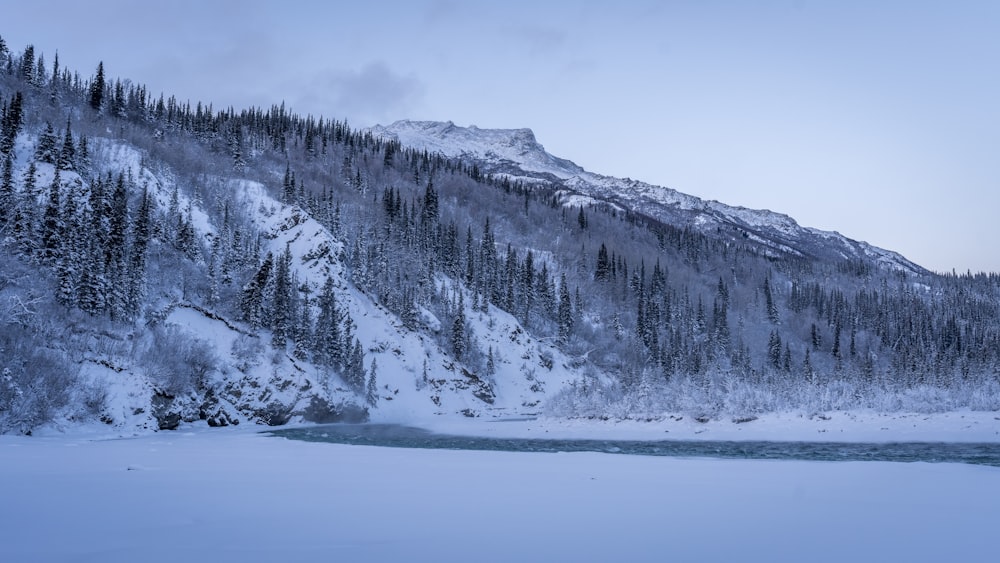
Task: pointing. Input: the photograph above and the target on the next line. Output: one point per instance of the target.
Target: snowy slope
(522, 381)
(256, 383)
(516, 153)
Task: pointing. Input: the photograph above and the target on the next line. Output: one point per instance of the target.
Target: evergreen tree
(141, 233)
(772, 306)
(356, 368)
(67, 155)
(458, 329)
(281, 301)
(565, 311)
(327, 341)
(774, 350)
(45, 150)
(491, 366)
(82, 156)
(27, 69)
(29, 211)
(7, 193)
(97, 89)
(807, 369)
(527, 287)
(371, 390)
(252, 302)
(603, 270)
(52, 226)
(69, 253)
(10, 125)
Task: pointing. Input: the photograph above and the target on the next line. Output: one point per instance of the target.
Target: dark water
(396, 436)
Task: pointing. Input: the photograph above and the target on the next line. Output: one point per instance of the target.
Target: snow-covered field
(233, 495)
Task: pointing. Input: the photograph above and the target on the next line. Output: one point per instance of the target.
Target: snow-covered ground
(230, 494)
(851, 426)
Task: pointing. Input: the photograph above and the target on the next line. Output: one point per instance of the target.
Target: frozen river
(239, 496)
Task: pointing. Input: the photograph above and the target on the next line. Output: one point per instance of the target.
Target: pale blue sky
(880, 120)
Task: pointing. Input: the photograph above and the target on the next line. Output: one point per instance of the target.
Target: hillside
(164, 262)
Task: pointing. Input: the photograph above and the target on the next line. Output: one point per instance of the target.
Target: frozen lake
(398, 436)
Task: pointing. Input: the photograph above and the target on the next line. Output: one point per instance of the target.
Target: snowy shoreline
(849, 426)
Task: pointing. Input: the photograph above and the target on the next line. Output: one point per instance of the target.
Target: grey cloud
(540, 40)
(366, 96)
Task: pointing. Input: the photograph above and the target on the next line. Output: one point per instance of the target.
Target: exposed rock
(321, 411)
(167, 417)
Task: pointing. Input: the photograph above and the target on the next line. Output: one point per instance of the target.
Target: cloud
(540, 40)
(366, 96)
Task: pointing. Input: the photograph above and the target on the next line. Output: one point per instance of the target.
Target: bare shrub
(34, 383)
(178, 363)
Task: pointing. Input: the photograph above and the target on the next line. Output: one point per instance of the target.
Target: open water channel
(398, 436)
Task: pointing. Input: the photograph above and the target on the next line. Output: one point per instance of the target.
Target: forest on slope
(118, 206)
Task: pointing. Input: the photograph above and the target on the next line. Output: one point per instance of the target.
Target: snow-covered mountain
(517, 154)
(163, 265)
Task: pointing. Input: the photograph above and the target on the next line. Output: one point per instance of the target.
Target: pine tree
(603, 270)
(69, 254)
(356, 368)
(565, 311)
(45, 150)
(10, 126)
(82, 156)
(116, 242)
(429, 211)
(97, 89)
(327, 343)
(458, 329)
(67, 156)
(774, 350)
(54, 82)
(807, 369)
(252, 301)
(371, 390)
(527, 287)
(281, 302)
(52, 226)
(7, 193)
(491, 366)
(27, 69)
(28, 233)
(772, 307)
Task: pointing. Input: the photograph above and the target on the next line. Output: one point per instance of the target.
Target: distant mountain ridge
(518, 154)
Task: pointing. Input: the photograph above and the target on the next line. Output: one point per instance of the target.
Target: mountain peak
(499, 147)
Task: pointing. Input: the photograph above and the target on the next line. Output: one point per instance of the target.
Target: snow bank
(850, 426)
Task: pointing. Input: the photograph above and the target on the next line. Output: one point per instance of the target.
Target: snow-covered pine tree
(252, 301)
(371, 388)
(45, 149)
(458, 329)
(66, 159)
(97, 89)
